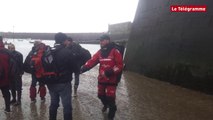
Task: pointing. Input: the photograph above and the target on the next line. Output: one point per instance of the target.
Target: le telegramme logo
(188, 8)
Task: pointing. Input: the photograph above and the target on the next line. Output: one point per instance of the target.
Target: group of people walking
(68, 59)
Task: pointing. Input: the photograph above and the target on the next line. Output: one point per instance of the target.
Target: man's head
(37, 42)
(60, 38)
(68, 41)
(104, 40)
(11, 47)
(38, 45)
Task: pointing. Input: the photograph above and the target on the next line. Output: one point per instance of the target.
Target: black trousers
(6, 94)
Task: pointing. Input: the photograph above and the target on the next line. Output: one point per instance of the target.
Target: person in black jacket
(16, 85)
(65, 61)
(76, 49)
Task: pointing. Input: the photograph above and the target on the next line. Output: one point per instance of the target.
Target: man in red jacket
(5, 74)
(111, 64)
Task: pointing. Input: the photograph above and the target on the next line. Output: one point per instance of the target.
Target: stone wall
(171, 46)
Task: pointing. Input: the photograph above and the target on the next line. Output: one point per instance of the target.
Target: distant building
(120, 31)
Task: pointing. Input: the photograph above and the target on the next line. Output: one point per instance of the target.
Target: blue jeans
(63, 91)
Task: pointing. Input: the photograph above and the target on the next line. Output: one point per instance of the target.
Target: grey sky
(64, 15)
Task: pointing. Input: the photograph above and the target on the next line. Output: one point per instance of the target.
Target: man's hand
(109, 73)
(83, 69)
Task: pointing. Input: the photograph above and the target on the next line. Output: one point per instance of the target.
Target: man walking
(82, 55)
(61, 88)
(111, 64)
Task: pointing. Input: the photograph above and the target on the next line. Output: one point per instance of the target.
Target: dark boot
(13, 101)
(104, 102)
(75, 90)
(112, 110)
(18, 99)
(104, 109)
(13, 92)
(112, 107)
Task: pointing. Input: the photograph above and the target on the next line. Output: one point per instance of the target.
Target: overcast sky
(64, 15)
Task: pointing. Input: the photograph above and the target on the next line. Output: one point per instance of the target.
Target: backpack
(121, 49)
(84, 56)
(27, 66)
(43, 64)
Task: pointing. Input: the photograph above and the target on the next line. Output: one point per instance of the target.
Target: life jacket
(43, 65)
(109, 62)
(106, 52)
(109, 58)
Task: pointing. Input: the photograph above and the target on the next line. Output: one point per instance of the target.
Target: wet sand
(138, 98)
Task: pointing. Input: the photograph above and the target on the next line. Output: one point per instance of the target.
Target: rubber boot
(112, 110)
(112, 107)
(42, 91)
(104, 102)
(32, 94)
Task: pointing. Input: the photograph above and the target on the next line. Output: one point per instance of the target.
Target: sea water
(24, 46)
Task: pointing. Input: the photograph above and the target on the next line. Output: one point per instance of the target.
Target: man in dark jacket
(76, 49)
(6, 71)
(16, 85)
(65, 61)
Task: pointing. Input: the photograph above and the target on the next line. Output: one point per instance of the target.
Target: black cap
(60, 38)
(104, 37)
(69, 38)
